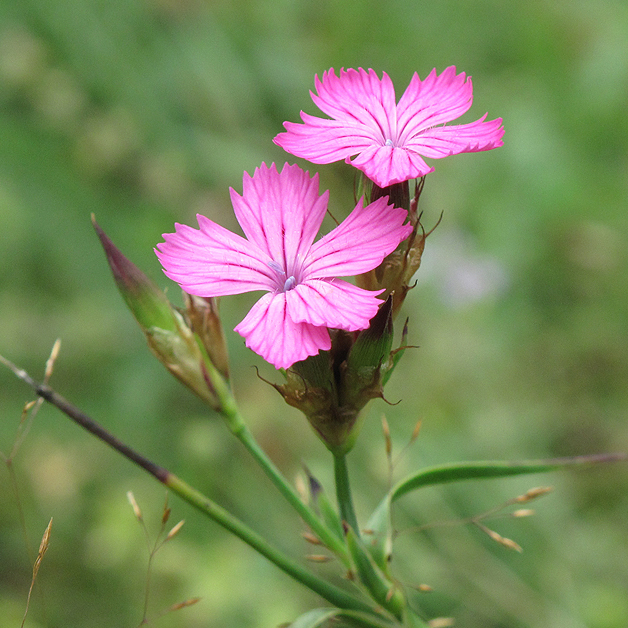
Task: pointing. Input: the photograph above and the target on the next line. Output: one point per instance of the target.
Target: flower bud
(332, 387)
(395, 273)
(168, 335)
(201, 314)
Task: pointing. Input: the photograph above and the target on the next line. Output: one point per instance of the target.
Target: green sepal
(379, 586)
(372, 346)
(396, 355)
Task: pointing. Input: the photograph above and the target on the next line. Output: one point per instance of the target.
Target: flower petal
(337, 304)
(443, 141)
(338, 96)
(438, 99)
(388, 141)
(364, 114)
(324, 141)
(213, 261)
(359, 243)
(280, 212)
(271, 332)
(387, 165)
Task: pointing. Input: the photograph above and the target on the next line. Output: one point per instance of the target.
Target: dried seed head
(54, 354)
(136, 509)
(310, 538)
(302, 488)
(441, 622)
(416, 430)
(190, 602)
(43, 547)
(533, 493)
(424, 588)
(175, 530)
(25, 410)
(318, 558)
(502, 540)
(523, 512)
(386, 430)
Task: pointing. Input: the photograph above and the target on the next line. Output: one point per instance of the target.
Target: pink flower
(280, 214)
(389, 139)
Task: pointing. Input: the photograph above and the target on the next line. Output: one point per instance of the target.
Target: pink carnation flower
(390, 139)
(280, 214)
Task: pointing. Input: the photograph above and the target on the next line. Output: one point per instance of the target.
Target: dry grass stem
(43, 548)
(413, 437)
(180, 605)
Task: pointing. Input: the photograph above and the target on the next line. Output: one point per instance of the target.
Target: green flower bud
(332, 387)
(395, 273)
(201, 314)
(169, 336)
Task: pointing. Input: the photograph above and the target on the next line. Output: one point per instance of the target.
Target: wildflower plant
(330, 339)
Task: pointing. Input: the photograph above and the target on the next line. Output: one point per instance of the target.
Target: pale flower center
(283, 282)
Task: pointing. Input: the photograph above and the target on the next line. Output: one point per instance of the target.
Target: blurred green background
(144, 112)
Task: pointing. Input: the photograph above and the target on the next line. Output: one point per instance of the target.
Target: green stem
(343, 492)
(236, 424)
(329, 592)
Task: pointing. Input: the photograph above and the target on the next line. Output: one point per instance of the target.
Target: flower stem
(238, 427)
(343, 492)
(329, 592)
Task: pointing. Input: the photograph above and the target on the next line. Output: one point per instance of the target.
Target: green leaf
(319, 616)
(378, 536)
(314, 618)
(325, 508)
(381, 589)
(379, 527)
(493, 469)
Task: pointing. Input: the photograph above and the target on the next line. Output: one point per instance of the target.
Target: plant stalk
(235, 422)
(329, 592)
(343, 492)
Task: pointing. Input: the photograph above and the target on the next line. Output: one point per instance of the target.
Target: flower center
(284, 283)
(388, 142)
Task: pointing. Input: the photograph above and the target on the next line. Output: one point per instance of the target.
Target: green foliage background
(145, 112)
